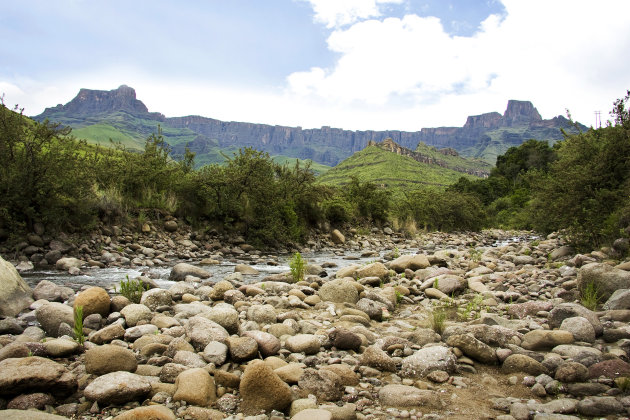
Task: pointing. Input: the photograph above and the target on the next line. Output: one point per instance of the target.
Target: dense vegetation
(580, 185)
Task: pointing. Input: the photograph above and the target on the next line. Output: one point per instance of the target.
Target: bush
(298, 267)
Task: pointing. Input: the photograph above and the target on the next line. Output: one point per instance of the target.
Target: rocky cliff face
(521, 121)
(90, 102)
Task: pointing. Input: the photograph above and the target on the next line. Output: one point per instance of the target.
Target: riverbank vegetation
(580, 185)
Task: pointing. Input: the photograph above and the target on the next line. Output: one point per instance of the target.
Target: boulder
(94, 300)
(155, 298)
(35, 374)
(375, 357)
(303, 343)
(196, 387)
(515, 363)
(428, 359)
(262, 314)
(242, 348)
(546, 339)
(61, 347)
(324, 384)
(394, 395)
(202, 331)
(51, 315)
(268, 344)
(170, 226)
(181, 270)
(151, 412)
(411, 262)
(135, 313)
(117, 388)
(375, 269)
(620, 299)
(15, 294)
(605, 278)
(215, 352)
(472, 347)
(225, 315)
(246, 270)
(337, 237)
(109, 358)
(66, 263)
(568, 310)
(51, 292)
(107, 334)
(13, 414)
(262, 390)
(580, 327)
(339, 290)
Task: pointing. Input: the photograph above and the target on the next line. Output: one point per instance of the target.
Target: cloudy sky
(355, 64)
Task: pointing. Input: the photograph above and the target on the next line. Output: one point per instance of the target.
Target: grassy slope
(394, 171)
(453, 161)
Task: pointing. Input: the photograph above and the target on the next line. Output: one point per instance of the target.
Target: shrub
(132, 289)
(298, 267)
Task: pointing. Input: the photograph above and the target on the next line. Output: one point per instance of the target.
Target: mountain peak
(89, 102)
(520, 112)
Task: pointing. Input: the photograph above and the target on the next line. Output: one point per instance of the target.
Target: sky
(352, 64)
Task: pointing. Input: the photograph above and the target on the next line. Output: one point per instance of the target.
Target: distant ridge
(98, 114)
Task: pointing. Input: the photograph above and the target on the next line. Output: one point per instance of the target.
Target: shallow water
(108, 277)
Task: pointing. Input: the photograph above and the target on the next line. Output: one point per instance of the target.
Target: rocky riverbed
(438, 326)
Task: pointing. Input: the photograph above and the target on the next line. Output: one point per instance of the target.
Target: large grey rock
(546, 339)
(604, 277)
(262, 390)
(51, 292)
(411, 262)
(375, 269)
(303, 343)
(15, 295)
(262, 314)
(474, 348)
(215, 352)
(35, 374)
(12, 414)
(61, 347)
(66, 263)
(407, 396)
(181, 270)
(339, 290)
(225, 315)
(202, 331)
(568, 310)
(620, 299)
(324, 384)
(109, 358)
(117, 388)
(268, 344)
(52, 315)
(154, 298)
(580, 327)
(428, 359)
(135, 313)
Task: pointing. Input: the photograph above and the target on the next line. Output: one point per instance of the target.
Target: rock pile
(459, 330)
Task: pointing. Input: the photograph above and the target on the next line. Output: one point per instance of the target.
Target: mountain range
(99, 116)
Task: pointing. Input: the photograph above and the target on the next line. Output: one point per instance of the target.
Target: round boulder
(109, 358)
(262, 390)
(15, 294)
(339, 290)
(94, 300)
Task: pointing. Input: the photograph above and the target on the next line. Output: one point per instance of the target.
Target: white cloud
(564, 53)
(334, 13)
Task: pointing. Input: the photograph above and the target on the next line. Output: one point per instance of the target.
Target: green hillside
(460, 162)
(317, 168)
(394, 171)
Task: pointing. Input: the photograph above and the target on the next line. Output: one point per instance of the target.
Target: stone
(226, 379)
(262, 390)
(395, 395)
(268, 344)
(568, 310)
(170, 226)
(339, 290)
(516, 363)
(337, 237)
(344, 339)
(155, 298)
(303, 343)
(375, 357)
(605, 278)
(38, 400)
(571, 372)
(170, 372)
(225, 315)
(290, 373)
(262, 314)
(346, 374)
(135, 313)
(600, 406)
(613, 368)
(580, 327)
(51, 315)
(324, 384)
(94, 300)
(620, 299)
(372, 308)
(181, 270)
(246, 270)
(219, 289)
(202, 331)
(242, 348)
(151, 412)
(546, 339)
(15, 294)
(200, 413)
(409, 262)
(34, 374)
(109, 358)
(61, 347)
(563, 251)
(215, 352)
(472, 347)
(189, 359)
(13, 414)
(66, 263)
(51, 292)
(107, 334)
(449, 283)
(196, 387)
(117, 388)
(428, 359)
(375, 269)
(133, 333)
(312, 414)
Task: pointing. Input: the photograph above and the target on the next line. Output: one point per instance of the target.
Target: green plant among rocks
(623, 383)
(475, 254)
(132, 289)
(438, 319)
(590, 296)
(298, 267)
(472, 309)
(79, 336)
